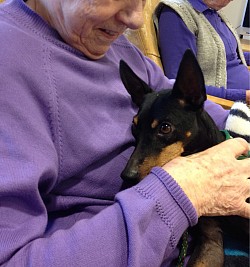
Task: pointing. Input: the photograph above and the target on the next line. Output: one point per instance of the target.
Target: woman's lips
(109, 34)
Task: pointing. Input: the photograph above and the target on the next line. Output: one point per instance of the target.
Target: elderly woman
(65, 138)
(202, 27)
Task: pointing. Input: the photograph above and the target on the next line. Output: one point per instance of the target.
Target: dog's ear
(135, 86)
(189, 85)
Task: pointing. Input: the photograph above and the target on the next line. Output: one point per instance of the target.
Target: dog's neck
(207, 136)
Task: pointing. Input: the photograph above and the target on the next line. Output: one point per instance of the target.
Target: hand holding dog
(214, 180)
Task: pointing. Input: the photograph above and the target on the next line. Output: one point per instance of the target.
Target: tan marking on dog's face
(135, 120)
(154, 124)
(201, 264)
(165, 156)
(182, 102)
(188, 134)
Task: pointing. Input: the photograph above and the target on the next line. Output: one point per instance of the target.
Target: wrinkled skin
(90, 25)
(226, 176)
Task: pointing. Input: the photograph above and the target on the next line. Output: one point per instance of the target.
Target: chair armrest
(226, 104)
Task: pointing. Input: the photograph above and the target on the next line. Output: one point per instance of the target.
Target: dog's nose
(130, 174)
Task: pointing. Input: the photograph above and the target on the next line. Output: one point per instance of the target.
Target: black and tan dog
(173, 123)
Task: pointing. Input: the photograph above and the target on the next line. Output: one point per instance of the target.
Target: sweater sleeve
(230, 94)
(177, 39)
(140, 227)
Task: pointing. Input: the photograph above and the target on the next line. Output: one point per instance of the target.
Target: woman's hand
(214, 180)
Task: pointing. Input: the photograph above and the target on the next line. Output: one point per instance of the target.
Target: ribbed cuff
(164, 189)
(177, 194)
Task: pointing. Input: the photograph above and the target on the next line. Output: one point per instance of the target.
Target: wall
(234, 11)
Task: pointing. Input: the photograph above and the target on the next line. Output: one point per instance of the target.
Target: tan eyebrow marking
(135, 120)
(154, 124)
(182, 102)
(168, 153)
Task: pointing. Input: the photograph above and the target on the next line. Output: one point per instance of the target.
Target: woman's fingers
(214, 180)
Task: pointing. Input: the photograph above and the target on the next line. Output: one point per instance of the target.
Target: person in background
(203, 28)
(65, 137)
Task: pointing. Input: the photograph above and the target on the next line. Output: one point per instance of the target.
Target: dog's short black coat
(173, 123)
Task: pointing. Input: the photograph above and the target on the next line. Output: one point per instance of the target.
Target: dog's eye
(165, 128)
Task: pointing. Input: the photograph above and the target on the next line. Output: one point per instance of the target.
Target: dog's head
(169, 123)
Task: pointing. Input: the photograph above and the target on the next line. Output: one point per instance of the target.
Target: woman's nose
(132, 16)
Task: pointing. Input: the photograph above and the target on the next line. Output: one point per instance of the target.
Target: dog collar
(228, 136)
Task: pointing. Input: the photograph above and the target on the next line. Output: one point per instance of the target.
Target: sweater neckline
(199, 5)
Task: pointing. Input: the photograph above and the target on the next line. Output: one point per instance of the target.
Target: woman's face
(217, 4)
(90, 25)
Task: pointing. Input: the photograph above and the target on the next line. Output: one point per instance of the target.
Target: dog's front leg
(208, 251)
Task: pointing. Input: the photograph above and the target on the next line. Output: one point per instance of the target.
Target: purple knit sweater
(64, 140)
